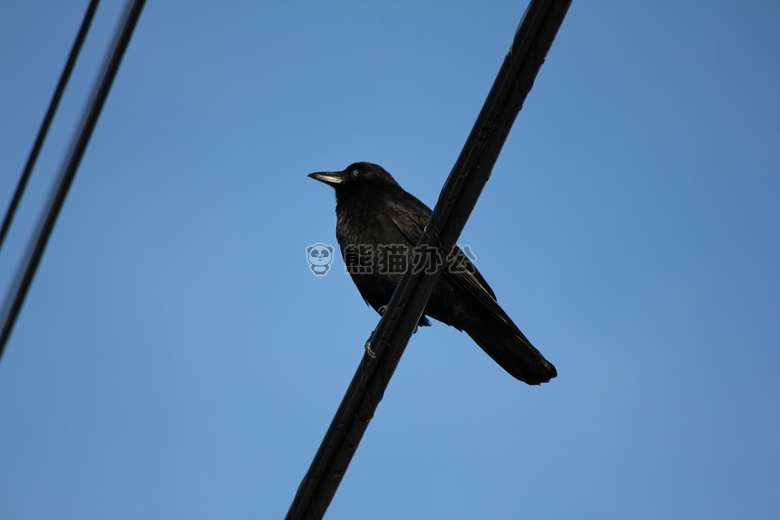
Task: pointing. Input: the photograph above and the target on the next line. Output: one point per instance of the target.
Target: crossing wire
(15, 299)
(47, 119)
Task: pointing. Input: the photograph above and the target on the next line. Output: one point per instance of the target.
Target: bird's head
(356, 176)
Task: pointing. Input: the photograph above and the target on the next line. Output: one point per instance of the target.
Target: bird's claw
(370, 352)
(381, 310)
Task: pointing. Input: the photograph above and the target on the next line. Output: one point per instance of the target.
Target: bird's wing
(410, 217)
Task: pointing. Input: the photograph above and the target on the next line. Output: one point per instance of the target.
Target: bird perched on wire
(378, 224)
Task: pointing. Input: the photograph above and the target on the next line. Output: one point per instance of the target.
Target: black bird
(377, 226)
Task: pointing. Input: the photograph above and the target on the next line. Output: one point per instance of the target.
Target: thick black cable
(16, 298)
(47, 119)
(458, 197)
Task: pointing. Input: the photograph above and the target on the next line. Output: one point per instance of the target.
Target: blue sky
(176, 358)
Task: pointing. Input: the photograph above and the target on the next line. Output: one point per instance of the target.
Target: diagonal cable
(458, 197)
(47, 119)
(18, 291)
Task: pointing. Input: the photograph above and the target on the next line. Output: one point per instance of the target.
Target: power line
(458, 197)
(15, 299)
(47, 119)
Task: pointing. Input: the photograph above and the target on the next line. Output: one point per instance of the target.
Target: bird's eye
(355, 173)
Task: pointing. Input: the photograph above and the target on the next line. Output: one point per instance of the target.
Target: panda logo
(319, 256)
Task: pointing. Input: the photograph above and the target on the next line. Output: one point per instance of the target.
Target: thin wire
(47, 119)
(14, 302)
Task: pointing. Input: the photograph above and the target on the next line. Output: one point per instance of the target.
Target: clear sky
(176, 358)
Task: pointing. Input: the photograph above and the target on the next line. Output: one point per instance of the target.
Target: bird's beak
(329, 178)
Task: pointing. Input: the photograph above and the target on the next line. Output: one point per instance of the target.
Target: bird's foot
(381, 310)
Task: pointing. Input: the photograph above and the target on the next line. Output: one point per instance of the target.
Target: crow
(378, 224)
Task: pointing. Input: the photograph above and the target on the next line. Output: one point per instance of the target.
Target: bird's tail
(502, 340)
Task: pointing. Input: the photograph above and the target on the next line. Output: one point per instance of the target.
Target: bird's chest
(366, 222)
(374, 251)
